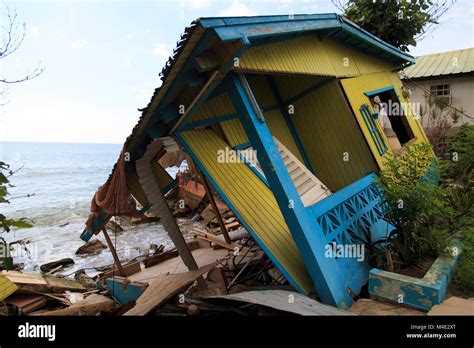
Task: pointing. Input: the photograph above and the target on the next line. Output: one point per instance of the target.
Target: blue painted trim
(237, 213)
(231, 28)
(207, 122)
(122, 290)
(380, 90)
(324, 206)
(227, 67)
(371, 124)
(208, 22)
(328, 279)
(309, 91)
(242, 146)
(289, 123)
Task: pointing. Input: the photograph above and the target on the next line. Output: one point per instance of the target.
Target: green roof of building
(444, 63)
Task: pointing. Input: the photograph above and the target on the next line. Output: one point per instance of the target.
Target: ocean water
(62, 179)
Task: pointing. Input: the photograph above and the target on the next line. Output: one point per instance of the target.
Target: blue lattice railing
(348, 213)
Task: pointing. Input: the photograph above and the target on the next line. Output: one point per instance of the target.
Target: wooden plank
(152, 260)
(91, 305)
(164, 287)
(27, 303)
(229, 226)
(7, 287)
(128, 269)
(216, 240)
(36, 282)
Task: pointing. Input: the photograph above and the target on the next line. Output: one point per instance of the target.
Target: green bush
(458, 180)
(464, 275)
(458, 176)
(415, 205)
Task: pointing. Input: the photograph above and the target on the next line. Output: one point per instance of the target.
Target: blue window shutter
(374, 129)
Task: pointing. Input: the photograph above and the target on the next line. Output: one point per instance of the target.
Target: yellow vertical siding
(355, 89)
(279, 129)
(234, 132)
(217, 106)
(309, 55)
(327, 130)
(253, 200)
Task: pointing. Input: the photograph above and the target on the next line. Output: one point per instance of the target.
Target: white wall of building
(462, 92)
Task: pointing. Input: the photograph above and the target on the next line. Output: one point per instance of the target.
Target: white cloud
(79, 44)
(130, 36)
(238, 9)
(196, 3)
(161, 50)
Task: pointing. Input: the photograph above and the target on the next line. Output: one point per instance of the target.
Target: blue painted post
(328, 279)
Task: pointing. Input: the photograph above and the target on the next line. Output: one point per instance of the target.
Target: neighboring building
(302, 92)
(448, 75)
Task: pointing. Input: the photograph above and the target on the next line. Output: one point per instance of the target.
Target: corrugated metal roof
(279, 299)
(444, 63)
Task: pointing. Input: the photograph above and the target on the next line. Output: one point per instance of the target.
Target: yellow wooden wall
(355, 89)
(327, 130)
(253, 201)
(311, 56)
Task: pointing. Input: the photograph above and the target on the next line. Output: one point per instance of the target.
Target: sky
(101, 59)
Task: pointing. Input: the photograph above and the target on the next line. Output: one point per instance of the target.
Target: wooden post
(114, 253)
(221, 223)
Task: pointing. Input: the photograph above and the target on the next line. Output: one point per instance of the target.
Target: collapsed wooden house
(300, 93)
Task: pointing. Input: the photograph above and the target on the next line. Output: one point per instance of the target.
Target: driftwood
(164, 287)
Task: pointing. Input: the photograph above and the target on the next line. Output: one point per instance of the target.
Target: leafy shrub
(464, 275)
(458, 180)
(6, 223)
(458, 175)
(415, 205)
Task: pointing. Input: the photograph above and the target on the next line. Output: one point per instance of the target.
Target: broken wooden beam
(128, 269)
(91, 305)
(216, 240)
(42, 283)
(164, 287)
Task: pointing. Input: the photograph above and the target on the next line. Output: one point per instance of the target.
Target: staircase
(310, 189)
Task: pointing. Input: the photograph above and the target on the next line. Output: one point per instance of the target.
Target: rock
(84, 279)
(47, 267)
(94, 246)
(156, 249)
(193, 310)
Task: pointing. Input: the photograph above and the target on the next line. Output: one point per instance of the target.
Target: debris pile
(156, 284)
